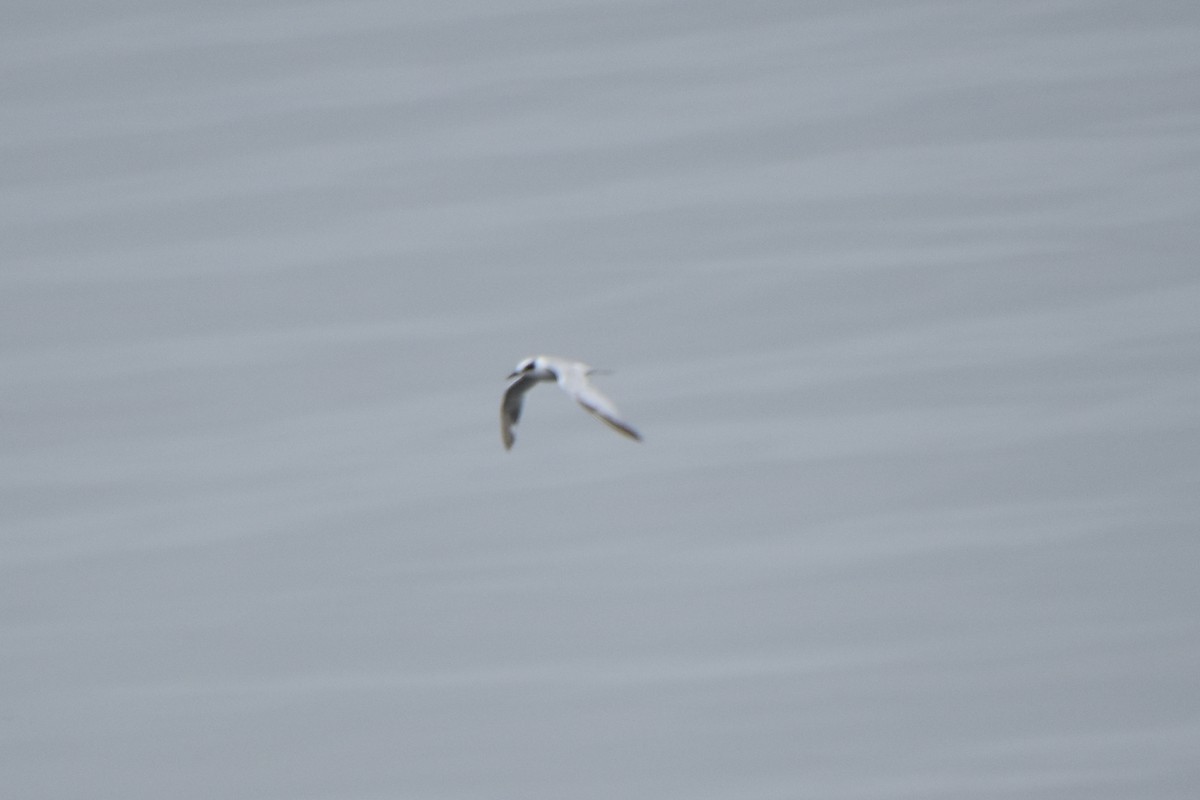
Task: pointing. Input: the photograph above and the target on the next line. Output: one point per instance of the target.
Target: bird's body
(572, 378)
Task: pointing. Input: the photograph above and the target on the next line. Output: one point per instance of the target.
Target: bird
(572, 378)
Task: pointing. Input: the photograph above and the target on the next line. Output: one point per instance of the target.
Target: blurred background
(903, 295)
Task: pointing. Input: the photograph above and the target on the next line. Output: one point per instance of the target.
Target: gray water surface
(904, 296)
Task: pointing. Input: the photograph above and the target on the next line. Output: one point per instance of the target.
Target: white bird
(572, 378)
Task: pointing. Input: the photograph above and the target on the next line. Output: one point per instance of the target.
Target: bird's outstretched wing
(510, 407)
(575, 383)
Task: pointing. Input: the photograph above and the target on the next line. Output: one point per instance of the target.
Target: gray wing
(575, 382)
(510, 407)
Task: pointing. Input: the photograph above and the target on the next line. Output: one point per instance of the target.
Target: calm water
(905, 297)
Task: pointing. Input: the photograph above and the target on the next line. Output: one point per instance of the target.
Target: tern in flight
(572, 378)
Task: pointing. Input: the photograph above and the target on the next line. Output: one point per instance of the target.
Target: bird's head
(540, 368)
(526, 366)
